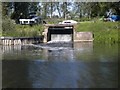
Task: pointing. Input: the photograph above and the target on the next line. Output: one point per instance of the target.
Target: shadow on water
(73, 65)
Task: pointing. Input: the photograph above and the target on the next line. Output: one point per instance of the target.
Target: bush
(29, 31)
(17, 30)
(8, 28)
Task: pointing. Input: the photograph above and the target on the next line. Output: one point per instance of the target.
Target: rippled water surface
(60, 65)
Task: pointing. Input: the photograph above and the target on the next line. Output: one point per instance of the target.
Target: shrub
(17, 30)
(8, 28)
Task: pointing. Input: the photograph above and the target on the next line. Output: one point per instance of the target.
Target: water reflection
(70, 65)
(73, 75)
(35, 74)
(48, 52)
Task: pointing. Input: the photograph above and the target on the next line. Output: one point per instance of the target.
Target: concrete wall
(20, 40)
(83, 36)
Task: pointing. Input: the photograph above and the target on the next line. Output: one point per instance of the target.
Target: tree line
(17, 10)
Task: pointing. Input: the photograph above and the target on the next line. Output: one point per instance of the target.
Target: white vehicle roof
(26, 19)
(69, 21)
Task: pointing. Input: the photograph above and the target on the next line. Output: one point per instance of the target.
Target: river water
(60, 65)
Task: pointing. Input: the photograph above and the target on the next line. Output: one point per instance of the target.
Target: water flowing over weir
(59, 37)
(60, 34)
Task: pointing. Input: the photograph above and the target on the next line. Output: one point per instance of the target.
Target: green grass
(105, 32)
(25, 31)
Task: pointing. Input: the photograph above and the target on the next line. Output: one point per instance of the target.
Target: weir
(60, 33)
(65, 32)
(54, 32)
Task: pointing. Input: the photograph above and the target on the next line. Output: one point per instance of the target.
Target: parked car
(68, 22)
(34, 20)
(114, 18)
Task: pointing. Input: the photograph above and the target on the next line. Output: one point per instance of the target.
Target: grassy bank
(105, 32)
(27, 30)
(10, 29)
(16, 30)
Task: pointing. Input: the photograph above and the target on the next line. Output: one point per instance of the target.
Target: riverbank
(10, 29)
(104, 32)
(24, 31)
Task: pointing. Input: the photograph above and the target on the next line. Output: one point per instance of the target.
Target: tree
(115, 6)
(65, 9)
(51, 8)
(58, 8)
(78, 8)
(39, 10)
(5, 8)
(32, 9)
(20, 10)
(45, 9)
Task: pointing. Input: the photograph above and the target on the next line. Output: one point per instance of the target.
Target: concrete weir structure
(65, 32)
